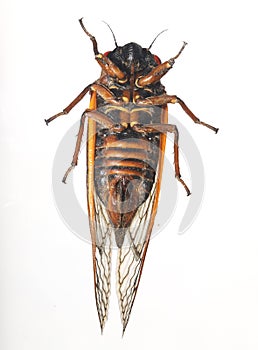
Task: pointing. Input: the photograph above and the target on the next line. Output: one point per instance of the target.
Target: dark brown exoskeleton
(127, 126)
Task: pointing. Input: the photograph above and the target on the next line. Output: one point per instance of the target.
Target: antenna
(111, 32)
(156, 38)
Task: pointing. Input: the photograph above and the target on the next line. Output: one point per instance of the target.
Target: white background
(199, 290)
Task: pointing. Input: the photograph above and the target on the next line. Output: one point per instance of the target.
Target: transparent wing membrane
(102, 262)
(131, 257)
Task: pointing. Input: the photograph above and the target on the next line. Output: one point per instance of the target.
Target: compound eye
(157, 59)
(107, 53)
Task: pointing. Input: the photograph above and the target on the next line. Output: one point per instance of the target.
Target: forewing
(131, 256)
(99, 227)
(102, 249)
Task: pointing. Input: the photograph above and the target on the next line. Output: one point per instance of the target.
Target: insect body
(127, 126)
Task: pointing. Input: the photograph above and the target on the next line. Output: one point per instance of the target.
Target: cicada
(127, 123)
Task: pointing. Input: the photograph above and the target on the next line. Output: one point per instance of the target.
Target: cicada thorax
(126, 163)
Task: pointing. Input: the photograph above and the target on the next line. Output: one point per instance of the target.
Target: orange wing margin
(101, 240)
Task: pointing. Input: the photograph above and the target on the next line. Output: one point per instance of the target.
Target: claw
(67, 173)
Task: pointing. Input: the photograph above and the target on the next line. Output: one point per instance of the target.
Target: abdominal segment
(124, 172)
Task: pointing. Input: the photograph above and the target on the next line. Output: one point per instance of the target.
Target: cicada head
(133, 57)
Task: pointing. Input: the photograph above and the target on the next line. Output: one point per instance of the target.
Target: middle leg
(98, 117)
(165, 99)
(164, 128)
